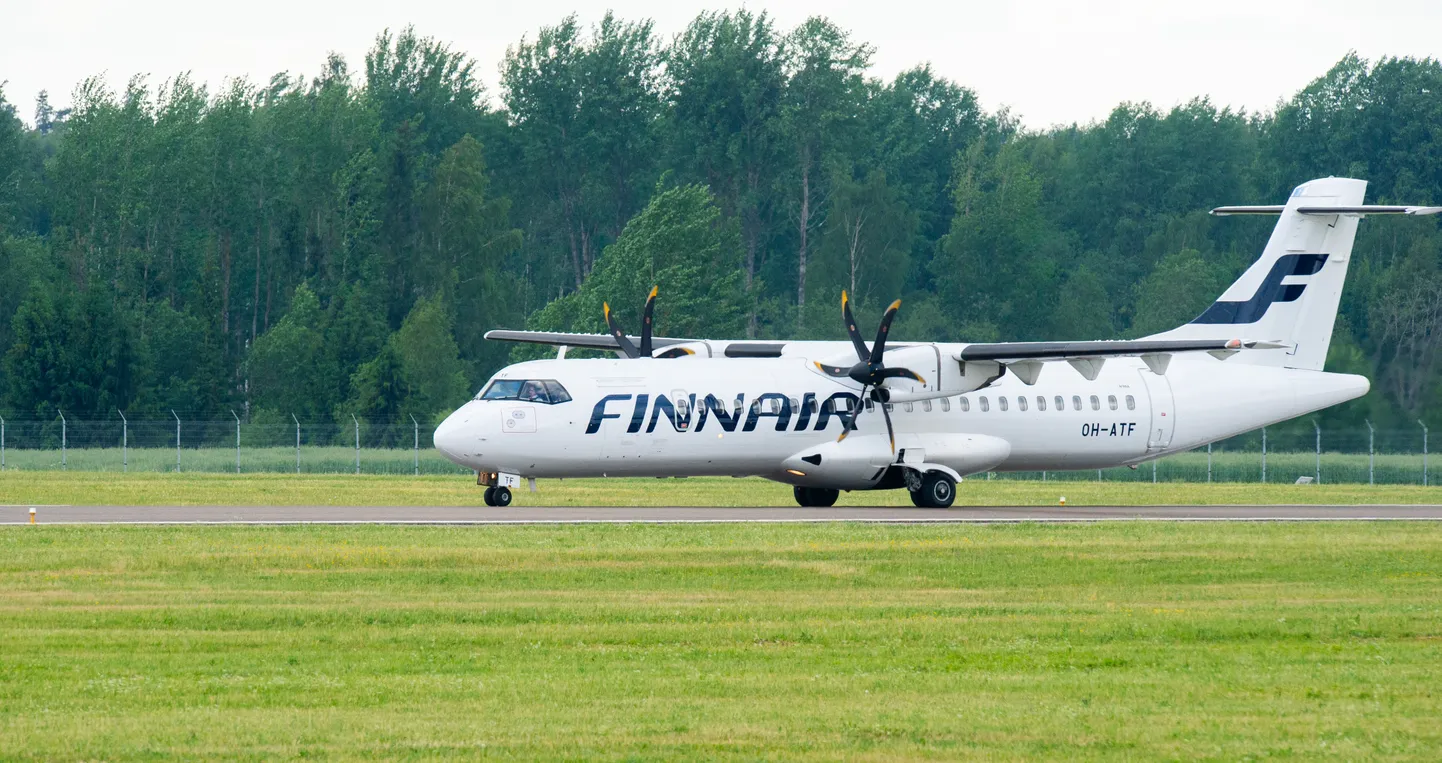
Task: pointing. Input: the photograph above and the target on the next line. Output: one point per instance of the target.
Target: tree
(417, 373)
(824, 90)
(288, 367)
(679, 242)
(467, 241)
(726, 80)
(1177, 290)
(584, 111)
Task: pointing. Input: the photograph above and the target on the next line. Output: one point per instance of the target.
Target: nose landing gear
(498, 496)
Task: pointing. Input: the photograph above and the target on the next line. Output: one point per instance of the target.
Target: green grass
(95, 488)
(1113, 641)
(1227, 466)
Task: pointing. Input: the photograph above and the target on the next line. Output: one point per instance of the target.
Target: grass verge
(1147, 641)
(91, 488)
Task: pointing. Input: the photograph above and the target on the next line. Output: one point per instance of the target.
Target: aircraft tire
(490, 496)
(817, 497)
(501, 496)
(938, 490)
(823, 497)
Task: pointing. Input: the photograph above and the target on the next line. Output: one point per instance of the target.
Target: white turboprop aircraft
(832, 416)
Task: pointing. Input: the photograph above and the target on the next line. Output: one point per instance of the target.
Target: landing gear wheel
(490, 496)
(937, 490)
(815, 496)
(500, 496)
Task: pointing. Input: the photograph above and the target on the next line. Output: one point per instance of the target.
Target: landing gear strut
(815, 496)
(498, 496)
(934, 490)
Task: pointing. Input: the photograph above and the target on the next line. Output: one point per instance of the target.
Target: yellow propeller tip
(895, 305)
(654, 289)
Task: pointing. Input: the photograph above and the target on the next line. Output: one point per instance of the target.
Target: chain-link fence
(375, 445)
(369, 445)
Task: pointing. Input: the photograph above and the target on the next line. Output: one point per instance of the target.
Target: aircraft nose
(449, 437)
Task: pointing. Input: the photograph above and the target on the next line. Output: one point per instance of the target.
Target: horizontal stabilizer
(1326, 211)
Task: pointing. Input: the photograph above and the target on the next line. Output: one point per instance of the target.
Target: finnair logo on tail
(1272, 290)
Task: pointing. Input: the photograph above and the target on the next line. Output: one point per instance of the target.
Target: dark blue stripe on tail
(1272, 290)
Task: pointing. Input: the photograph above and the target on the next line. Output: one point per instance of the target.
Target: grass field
(94, 488)
(1115, 641)
(1226, 466)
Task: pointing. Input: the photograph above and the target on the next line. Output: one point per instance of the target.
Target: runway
(481, 515)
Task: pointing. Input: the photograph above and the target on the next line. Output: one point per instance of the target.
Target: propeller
(870, 369)
(628, 347)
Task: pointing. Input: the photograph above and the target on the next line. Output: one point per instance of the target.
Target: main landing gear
(498, 496)
(933, 490)
(815, 496)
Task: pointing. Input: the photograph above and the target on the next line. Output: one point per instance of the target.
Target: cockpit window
(546, 391)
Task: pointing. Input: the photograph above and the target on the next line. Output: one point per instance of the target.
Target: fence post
(1154, 471)
(237, 440)
(357, 442)
(1371, 453)
(1099, 475)
(177, 439)
(2, 443)
(1318, 427)
(297, 442)
(1209, 462)
(418, 443)
(63, 425)
(1424, 452)
(1264, 455)
(124, 441)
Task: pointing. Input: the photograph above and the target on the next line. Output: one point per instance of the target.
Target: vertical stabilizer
(1291, 294)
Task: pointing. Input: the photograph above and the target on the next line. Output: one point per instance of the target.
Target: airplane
(828, 416)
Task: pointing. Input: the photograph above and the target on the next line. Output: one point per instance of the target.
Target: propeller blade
(624, 341)
(646, 322)
(861, 352)
(899, 373)
(891, 433)
(851, 420)
(836, 371)
(878, 349)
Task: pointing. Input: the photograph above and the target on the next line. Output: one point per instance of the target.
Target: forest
(338, 243)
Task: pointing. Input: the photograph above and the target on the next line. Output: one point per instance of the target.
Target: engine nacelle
(860, 461)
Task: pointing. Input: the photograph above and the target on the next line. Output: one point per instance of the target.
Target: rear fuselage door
(1164, 418)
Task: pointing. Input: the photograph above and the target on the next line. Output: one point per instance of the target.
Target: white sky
(1050, 62)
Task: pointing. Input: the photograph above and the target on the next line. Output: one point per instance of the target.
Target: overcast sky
(1050, 62)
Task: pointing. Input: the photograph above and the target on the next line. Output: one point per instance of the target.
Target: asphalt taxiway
(460, 515)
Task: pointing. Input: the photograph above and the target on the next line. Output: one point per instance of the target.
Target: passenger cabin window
(906, 407)
(984, 406)
(945, 404)
(1060, 403)
(545, 391)
(1021, 402)
(926, 406)
(1001, 401)
(1112, 401)
(1076, 402)
(1096, 403)
(965, 404)
(1040, 402)
(1131, 403)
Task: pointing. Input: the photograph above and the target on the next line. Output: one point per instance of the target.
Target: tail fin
(1290, 295)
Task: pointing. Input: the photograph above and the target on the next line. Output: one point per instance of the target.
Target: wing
(559, 339)
(1026, 358)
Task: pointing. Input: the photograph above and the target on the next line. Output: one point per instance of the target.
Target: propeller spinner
(628, 347)
(870, 370)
